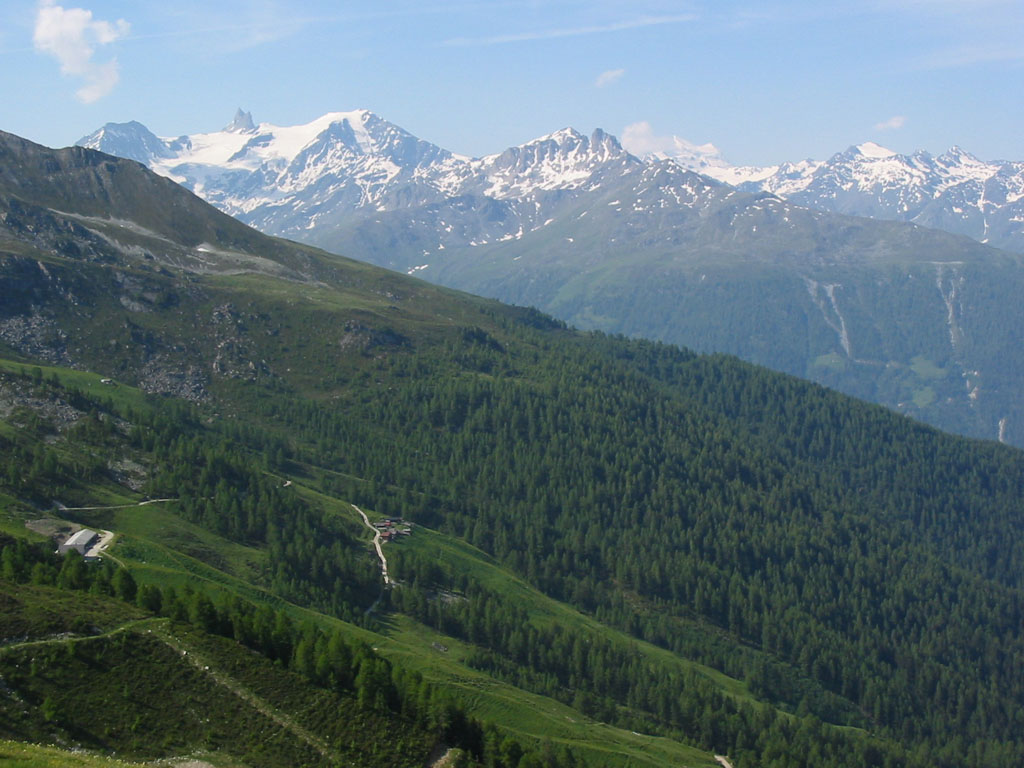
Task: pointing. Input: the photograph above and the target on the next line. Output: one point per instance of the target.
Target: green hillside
(621, 552)
(849, 303)
(148, 688)
(163, 549)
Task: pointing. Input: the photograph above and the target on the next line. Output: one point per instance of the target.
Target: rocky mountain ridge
(954, 191)
(309, 181)
(915, 318)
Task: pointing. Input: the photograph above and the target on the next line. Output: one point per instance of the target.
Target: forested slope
(746, 563)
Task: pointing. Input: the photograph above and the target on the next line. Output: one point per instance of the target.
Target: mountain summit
(132, 141)
(242, 123)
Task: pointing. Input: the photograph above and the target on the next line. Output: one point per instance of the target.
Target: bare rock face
(37, 336)
(235, 354)
(18, 395)
(164, 376)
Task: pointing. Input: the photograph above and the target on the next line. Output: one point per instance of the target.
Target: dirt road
(376, 544)
(62, 508)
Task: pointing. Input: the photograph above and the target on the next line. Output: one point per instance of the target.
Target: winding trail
(261, 705)
(62, 508)
(70, 637)
(376, 543)
(380, 554)
(160, 629)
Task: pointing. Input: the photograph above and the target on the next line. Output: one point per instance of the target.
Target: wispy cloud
(960, 33)
(969, 55)
(609, 77)
(233, 26)
(894, 123)
(71, 35)
(553, 34)
(230, 27)
(953, 7)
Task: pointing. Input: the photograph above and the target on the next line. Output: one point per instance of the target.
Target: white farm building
(80, 540)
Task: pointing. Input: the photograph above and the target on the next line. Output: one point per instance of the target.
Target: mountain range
(318, 181)
(914, 318)
(954, 191)
(256, 172)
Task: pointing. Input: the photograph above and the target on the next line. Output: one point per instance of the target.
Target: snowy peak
(963, 164)
(354, 127)
(563, 160)
(695, 157)
(605, 146)
(343, 135)
(869, 167)
(242, 123)
(245, 167)
(569, 145)
(955, 191)
(639, 140)
(871, 150)
(285, 143)
(385, 139)
(132, 140)
(705, 159)
(956, 155)
(564, 137)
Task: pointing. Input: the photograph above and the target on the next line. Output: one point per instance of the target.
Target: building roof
(80, 538)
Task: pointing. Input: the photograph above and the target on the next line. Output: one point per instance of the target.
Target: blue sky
(765, 81)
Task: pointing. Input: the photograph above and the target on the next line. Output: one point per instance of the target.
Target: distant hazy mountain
(955, 191)
(914, 318)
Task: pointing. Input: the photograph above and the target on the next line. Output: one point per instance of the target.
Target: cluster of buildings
(392, 527)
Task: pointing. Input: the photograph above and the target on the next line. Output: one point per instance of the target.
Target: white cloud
(551, 34)
(639, 139)
(609, 77)
(894, 123)
(71, 35)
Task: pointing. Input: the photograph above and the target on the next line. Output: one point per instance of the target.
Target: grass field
(529, 716)
(17, 754)
(90, 384)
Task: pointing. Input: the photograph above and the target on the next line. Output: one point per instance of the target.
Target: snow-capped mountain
(283, 178)
(564, 160)
(316, 181)
(132, 141)
(706, 159)
(954, 191)
(581, 228)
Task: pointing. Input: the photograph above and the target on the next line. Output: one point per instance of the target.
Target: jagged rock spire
(242, 123)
